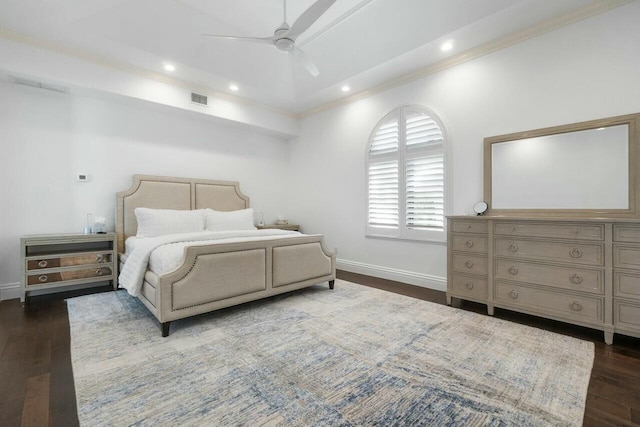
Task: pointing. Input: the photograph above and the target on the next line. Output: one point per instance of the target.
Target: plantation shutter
(422, 131)
(383, 194)
(425, 193)
(405, 176)
(385, 139)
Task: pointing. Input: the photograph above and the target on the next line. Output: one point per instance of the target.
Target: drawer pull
(576, 279)
(575, 306)
(513, 294)
(469, 244)
(513, 247)
(513, 270)
(98, 272)
(469, 264)
(469, 285)
(99, 258)
(468, 226)
(43, 263)
(43, 278)
(575, 253)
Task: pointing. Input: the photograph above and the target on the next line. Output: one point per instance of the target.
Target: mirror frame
(633, 210)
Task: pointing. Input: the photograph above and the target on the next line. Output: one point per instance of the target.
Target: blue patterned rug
(355, 356)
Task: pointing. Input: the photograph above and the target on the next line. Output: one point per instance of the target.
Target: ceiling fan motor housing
(283, 43)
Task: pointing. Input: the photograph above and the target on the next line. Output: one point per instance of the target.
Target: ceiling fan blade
(308, 17)
(268, 40)
(304, 60)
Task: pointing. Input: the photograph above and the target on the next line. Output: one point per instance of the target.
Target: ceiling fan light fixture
(284, 44)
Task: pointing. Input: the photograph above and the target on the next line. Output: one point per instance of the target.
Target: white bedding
(165, 253)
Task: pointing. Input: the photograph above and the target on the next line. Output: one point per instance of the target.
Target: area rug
(354, 356)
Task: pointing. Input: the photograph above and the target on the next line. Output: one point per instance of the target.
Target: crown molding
(595, 8)
(136, 70)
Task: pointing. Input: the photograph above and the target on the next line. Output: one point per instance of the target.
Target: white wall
(47, 137)
(584, 71)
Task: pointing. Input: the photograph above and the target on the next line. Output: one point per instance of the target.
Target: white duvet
(165, 253)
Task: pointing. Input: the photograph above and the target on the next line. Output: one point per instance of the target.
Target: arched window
(406, 176)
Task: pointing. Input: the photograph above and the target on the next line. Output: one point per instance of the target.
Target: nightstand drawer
(561, 231)
(63, 276)
(468, 243)
(69, 260)
(579, 253)
(575, 278)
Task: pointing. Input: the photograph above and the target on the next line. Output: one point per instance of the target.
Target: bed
(212, 273)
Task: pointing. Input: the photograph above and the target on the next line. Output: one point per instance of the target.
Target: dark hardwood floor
(36, 379)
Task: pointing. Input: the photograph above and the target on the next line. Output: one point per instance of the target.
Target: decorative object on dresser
(293, 227)
(572, 256)
(232, 267)
(52, 261)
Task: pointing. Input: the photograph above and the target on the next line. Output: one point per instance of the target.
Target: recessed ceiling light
(233, 87)
(448, 45)
(169, 67)
(346, 88)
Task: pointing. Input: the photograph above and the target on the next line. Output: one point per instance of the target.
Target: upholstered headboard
(165, 192)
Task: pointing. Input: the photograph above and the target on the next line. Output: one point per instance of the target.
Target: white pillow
(232, 220)
(159, 222)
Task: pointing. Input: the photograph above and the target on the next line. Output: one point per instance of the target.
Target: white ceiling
(362, 43)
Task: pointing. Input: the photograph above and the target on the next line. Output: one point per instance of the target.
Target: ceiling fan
(284, 37)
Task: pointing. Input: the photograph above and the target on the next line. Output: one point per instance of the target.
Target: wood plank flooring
(36, 379)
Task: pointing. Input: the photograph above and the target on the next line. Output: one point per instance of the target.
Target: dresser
(580, 271)
(60, 261)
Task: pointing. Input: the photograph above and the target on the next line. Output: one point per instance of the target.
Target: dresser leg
(608, 337)
(490, 309)
(331, 284)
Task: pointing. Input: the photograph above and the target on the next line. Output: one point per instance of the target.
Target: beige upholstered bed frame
(220, 275)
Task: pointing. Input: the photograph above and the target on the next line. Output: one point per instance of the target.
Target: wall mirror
(587, 169)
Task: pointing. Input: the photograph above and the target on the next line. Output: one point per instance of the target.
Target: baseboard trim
(9, 291)
(410, 277)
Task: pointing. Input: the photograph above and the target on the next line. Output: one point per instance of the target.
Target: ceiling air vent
(40, 85)
(198, 99)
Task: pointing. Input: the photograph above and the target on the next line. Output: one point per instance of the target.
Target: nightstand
(293, 227)
(52, 261)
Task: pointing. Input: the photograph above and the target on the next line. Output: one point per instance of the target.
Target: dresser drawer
(626, 284)
(626, 233)
(68, 260)
(574, 307)
(469, 243)
(626, 314)
(63, 276)
(461, 226)
(558, 231)
(463, 263)
(626, 257)
(472, 287)
(575, 278)
(579, 253)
